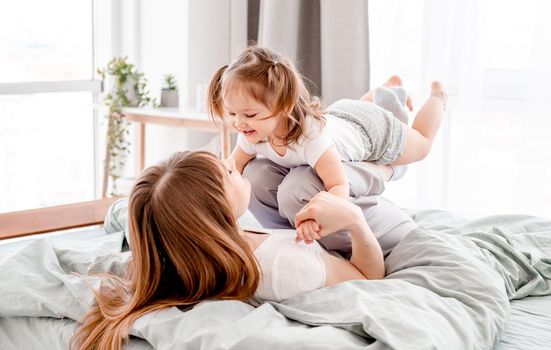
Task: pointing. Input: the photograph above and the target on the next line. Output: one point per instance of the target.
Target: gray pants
(279, 193)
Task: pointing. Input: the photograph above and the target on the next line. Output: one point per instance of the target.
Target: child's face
(251, 118)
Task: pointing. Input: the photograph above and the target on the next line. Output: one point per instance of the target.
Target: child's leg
(420, 136)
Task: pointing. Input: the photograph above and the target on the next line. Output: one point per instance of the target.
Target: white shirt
(289, 269)
(316, 141)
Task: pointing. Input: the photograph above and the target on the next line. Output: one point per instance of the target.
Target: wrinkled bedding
(449, 285)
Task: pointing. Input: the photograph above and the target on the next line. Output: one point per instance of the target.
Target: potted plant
(127, 88)
(169, 92)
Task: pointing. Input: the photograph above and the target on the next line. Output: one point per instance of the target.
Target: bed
(451, 284)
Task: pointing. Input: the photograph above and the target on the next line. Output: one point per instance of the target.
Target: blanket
(448, 286)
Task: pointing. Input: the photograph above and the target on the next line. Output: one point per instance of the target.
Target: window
(47, 92)
(46, 40)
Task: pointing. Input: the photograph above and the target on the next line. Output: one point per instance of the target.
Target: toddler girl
(266, 100)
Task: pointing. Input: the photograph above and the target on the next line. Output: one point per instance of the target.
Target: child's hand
(330, 214)
(307, 231)
(229, 163)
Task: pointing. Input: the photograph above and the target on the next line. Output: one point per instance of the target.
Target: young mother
(187, 247)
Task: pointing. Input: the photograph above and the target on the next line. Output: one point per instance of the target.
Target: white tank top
(288, 268)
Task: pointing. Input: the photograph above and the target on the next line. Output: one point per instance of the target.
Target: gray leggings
(279, 193)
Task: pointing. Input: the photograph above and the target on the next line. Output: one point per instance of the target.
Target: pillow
(248, 219)
(116, 219)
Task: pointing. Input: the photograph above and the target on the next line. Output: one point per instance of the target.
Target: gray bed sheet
(511, 256)
(528, 328)
(529, 324)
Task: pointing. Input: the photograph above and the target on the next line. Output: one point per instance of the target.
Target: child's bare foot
(437, 90)
(393, 81)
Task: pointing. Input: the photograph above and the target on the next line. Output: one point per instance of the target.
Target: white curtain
(493, 152)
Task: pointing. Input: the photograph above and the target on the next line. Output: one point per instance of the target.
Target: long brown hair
(271, 79)
(185, 246)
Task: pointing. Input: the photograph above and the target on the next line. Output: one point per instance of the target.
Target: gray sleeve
(265, 177)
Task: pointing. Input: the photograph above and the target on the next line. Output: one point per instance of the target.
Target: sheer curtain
(493, 152)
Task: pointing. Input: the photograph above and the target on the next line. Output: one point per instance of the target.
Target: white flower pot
(128, 88)
(169, 98)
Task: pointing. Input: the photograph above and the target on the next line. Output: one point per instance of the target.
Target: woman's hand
(325, 214)
(332, 214)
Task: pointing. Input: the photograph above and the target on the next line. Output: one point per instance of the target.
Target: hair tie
(274, 63)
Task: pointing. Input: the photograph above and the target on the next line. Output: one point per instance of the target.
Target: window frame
(104, 44)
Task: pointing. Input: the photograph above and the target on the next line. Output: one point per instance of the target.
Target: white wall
(189, 39)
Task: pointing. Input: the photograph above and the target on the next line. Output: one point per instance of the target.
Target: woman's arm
(367, 255)
(333, 214)
(331, 171)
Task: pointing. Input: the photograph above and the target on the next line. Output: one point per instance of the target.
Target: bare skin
(420, 136)
(330, 214)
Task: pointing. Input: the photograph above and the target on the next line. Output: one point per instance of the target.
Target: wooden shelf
(175, 117)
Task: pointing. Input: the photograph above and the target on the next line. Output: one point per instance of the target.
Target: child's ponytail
(294, 101)
(214, 94)
(286, 86)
